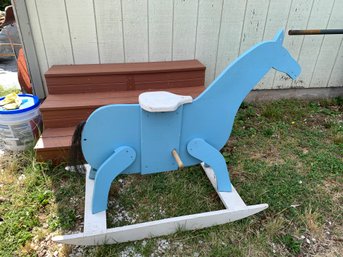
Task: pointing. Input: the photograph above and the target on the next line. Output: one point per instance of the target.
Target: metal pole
(315, 32)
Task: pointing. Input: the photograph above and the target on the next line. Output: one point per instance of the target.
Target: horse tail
(76, 159)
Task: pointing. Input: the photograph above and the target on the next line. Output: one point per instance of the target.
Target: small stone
(313, 239)
(302, 237)
(21, 177)
(300, 182)
(308, 241)
(196, 254)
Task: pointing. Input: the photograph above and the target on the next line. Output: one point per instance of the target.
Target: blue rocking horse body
(125, 138)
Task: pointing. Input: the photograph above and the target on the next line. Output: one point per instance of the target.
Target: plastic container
(21, 127)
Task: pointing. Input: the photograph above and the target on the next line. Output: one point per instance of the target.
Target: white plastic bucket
(20, 128)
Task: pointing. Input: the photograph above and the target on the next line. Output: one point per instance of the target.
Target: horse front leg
(203, 151)
(119, 161)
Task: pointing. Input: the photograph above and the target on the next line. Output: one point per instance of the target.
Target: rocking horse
(167, 131)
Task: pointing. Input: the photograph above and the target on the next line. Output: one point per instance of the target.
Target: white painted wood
(26, 36)
(209, 20)
(160, 227)
(329, 49)
(160, 30)
(55, 31)
(336, 78)
(38, 39)
(83, 31)
(135, 25)
(254, 21)
(162, 101)
(214, 31)
(311, 46)
(92, 222)
(230, 33)
(231, 200)
(95, 232)
(109, 29)
(184, 29)
(298, 18)
(276, 19)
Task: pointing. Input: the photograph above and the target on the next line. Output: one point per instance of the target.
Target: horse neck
(238, 79)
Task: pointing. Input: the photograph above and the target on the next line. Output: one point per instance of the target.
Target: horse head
(283, 61)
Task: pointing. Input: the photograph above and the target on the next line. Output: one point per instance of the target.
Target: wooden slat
(160, 30)
(298, 18)
(312, 44)
(123, 68)
(207, 35)
(55, 30)
(336, 76)
(109, 30)
(69, 109)
(277, 18)
(68, 79)
(329, 50)
(59, 132)
(38, 39)
(230, 34)
(184, 29)
(83, 32)
(255, 16)
(68, 101)
(135, 25)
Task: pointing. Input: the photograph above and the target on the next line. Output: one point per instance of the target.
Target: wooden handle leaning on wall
(177, 159)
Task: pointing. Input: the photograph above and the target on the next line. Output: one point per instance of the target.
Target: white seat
(162, 101)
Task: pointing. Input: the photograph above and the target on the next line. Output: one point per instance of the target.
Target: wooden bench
(75, 91)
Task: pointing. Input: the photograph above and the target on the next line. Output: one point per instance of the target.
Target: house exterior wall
(213, 31)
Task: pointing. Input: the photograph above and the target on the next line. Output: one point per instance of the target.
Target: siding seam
(240, 41)
(41, 33)
(321, 44)
(96, 31)
(218, 39)
(71, 41)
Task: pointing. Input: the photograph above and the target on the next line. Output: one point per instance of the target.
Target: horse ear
(280, 35)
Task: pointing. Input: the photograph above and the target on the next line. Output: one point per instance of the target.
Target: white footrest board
(95, 232)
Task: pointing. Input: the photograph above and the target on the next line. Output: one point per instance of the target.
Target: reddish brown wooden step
(75, 91)
(63, 110)
(68, 79)
(54, 144)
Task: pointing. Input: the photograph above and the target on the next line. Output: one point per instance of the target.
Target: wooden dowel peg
(177, 159)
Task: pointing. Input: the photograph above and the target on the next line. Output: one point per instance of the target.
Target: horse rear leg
(203, 151)
(119, 161)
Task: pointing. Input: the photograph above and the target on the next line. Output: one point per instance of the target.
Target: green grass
(285, 153)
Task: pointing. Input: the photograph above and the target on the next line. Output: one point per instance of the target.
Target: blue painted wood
(120, 160)
(204, 152)
(209, 117)
(160, 134)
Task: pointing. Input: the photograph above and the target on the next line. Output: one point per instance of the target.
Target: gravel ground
(8, 64)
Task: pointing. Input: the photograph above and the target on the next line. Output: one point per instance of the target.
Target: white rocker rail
(96, 232)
